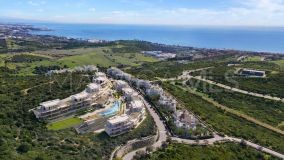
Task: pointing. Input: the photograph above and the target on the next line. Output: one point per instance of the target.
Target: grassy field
(253, 59)
(11, 44)
(78, 57)
(279, 62)
(67, 123)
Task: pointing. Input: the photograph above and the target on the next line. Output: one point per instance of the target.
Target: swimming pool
(113, 110)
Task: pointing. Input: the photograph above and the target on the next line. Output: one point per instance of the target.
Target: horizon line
(19, 20)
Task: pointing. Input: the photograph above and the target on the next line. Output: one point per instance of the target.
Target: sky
(154, 12)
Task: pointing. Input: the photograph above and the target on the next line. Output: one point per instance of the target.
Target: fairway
(78, 57)
(67, 123)
(253, 59)
(279, 62)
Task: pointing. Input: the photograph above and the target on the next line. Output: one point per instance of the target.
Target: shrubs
(23, 148)
(25, 58)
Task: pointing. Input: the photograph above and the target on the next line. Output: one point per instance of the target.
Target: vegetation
(166, 69)
(22, 58)
(41, 62)
(66, 123)
(220, 151)
(267, 111)
(253, 59)
(225, 122)
(272, 85)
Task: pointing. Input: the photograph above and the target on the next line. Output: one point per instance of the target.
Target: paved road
(161, 130)
(210, 141)
(237, 90)
(256, 146)
(186, 75)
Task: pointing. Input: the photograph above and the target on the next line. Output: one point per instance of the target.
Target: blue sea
(262, 39)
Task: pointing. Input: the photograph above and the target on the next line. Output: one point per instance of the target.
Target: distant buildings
(88, 68)
(252, 73)
(159, 54)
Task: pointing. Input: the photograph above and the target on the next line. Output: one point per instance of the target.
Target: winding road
(161, 131)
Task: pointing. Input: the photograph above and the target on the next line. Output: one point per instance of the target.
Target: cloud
(267, 5)
(36, 3)
(40, 10)
(241, 12)
(92, 9)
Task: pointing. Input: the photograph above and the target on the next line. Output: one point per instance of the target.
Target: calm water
(241, 38)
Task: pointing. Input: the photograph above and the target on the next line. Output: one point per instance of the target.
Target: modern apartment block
(118, 74)
(101, 79)
(57, 108)
(118, 125)
(119, 85)
(168, 102)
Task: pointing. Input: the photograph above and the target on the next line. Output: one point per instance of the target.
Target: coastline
(251, 39)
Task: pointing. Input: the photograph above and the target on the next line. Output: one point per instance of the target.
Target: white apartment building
(56, 108)
(92, 88)
(168, 102)
(129, 93)
(119, 85)
(154, 91)
(136, 106)
(141, 83)
(118, 125)
(185, 120)
(103, 81)
(119, 74)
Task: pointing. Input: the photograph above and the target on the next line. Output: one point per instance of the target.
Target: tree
(23, 148)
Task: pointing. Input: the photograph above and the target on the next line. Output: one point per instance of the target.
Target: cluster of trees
(25, 58)
(3, 46)
(166, 69)
(219, 151)
(45, 69)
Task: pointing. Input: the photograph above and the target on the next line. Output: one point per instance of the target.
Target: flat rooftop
(118, 119)
(80, 95)
(128, 90)
(251, 70)
(137, 103)
(50, 103)
(93, 86)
